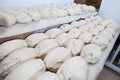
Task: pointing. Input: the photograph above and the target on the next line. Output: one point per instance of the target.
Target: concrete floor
(108, 74)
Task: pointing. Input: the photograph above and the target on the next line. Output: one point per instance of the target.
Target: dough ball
(44, 46)
(71, 11)
(74, 68)
(54, 12)
(27, 70)
(94, 31)
(7, 47)
(45, 13)
(56, 57)
(91, 52)
(22, 17)
(6, 19)
(66, 27)
(85, 37)
(35, 15)
(33, 39)
(100, 28)
(75, 33)
(15, 59)
(75, 46)
(82, 23)
(52, 33)
(75, 24)
(47, 76)
(63, 38)
(83, 29)
(100, 41)
(61, 12)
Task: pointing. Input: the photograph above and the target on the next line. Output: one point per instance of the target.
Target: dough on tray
(56, 57)
(74, 68)
(100, 41)
(75, 33)
(27, 70)
(52, 33)
(6, 19)
(75, 46)
(45, 46)
(47, 76)
(63, 38)
(85, 37)
(16, 58)
(33, 39)
(66, 27)
(7, 47)
(91, 52)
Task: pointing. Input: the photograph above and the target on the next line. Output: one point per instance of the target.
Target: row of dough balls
(57, 48)
(9, 16)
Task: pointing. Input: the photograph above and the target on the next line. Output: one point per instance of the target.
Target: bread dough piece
(106, 34)
(100, 28)
(52, 33)
(75, 33)
(53, 13)
(33, 39)
(45, 13)
(61, 12)
(63, 38)
(94, 31)
(66, 27)
(7, 47)
(83, 29)
(82, 23)
(27, 70)
(75, 24)
(77, 9)
(6, 19)
(89, 25)
(22, 17)
(15, 59)
(56, 57)
(100, 41)
(35, 15)
(71, 11)
(74, 68)
(44, 46)
(92, 53)
(85, 37)
(47, 76)
(75, 46)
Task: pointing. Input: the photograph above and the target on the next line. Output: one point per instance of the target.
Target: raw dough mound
(74, 68)
(16, 58)
(100, 41)
(92, 53)
(27, 70)
(75, 45)
(44, 46)
(52, 33)
(56, 57)
(75, 33)
(63, 38)
(66, 27)
(33, 39)
(7, 47)
(47, 76)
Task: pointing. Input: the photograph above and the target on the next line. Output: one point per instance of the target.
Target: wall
(110, 9)
(8, 3)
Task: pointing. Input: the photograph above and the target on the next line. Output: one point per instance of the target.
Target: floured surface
(95, 69)
(43, 23)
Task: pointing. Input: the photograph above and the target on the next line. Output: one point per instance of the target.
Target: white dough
(56, 57)
(74, 68)
(35, 15)
(85, 37)
(7, 47)
(100, 41)
(16, 58)
(75, 33)
(33, 39)
(47, 76)
(52, 33)
(45, 46)
(45, 13)
(91, 52)
(75, 46)
(66, 27)
(27, 70)
(63, 38)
